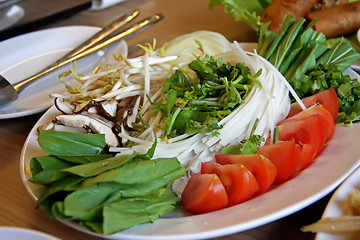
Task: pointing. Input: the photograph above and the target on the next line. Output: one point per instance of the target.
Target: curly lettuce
(248, 11)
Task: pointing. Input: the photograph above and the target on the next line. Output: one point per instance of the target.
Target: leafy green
(73, 147)
(297, 50)
(197, 104)
(138, 172)
(126, 213)
(347, 89)
(47, 169)
(60, 187)
(311, 63)
(95, 168)
(248, 11)
(247, 146)
(340, 53)
(131, 188)
(274, 44)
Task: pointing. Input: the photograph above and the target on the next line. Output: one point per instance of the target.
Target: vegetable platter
(337, 158)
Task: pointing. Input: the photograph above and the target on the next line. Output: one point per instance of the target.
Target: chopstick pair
(104, 37)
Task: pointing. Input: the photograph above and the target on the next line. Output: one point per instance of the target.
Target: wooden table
(182, 16)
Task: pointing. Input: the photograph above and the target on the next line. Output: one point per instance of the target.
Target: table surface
(182, 16)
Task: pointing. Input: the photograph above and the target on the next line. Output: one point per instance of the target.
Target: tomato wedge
(307, 130)
(204, 193)
(327, 98)
(328, 123)
(261, 167)
(285, 156)
(306, 153)
(238, 181)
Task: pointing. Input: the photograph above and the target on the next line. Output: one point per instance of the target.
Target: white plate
(15, 233)
(25, 55)
(337, 160)
(339, 205)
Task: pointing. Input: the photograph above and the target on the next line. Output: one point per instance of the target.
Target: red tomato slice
(238, 181)
(327, 121)
(204, 193)
(308, 130)
(284, 155)
(262, 168)
(328, 98)
(307, 153)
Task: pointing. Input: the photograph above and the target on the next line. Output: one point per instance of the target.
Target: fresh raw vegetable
(335, 17)
(192, 108)
(261, 167)
(137, 125)
(346, 88)
(312, 63)
(327, 98)
(105, 196)
(297, 50)
(299, 139)
(243, 10)
(196, 43)
(77, 148)
(307, 130)
(145, 102)
(204, 193)
(284, 155)
(240, 184)
(327, 120)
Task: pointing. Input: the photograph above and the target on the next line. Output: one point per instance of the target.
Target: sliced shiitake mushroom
(63, 106)
(82, 121)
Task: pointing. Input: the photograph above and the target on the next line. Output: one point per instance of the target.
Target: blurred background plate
(339, 205)
(15, 233)
(39, 12)
(27, 54)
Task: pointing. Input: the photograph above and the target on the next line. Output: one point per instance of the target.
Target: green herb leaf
(73, 147)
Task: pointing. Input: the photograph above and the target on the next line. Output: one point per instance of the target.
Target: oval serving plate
(337, 160)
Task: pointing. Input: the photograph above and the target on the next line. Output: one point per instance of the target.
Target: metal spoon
(10, 92)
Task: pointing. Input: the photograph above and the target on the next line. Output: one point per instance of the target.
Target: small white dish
(339, 205)
(27, 54)
(16, 233)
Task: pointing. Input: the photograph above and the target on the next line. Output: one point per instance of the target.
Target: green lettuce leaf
(139, 172)
(127, 213)
(47, 169)
(248, 11)
(73, 147)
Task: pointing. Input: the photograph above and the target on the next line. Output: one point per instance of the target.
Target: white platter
(27, 54)
(336, 161)
(16, 233)
(339, 205)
